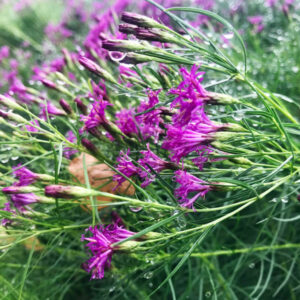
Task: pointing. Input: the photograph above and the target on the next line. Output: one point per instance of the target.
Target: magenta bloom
(4, 221)
(190, 95)
(101, 246)
(156, 164)
(51, 110)
(24, 175)
(21, 200)
(4, 52)
(149, 122)
(183, 141)
(125, 166)
(271, 3)
(96, 117)
(125, 120)
(71, 137)
(189, 184)
(99, 91)
(31, 128)
(257, 22)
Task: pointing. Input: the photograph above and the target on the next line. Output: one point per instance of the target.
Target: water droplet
(60, 82)
(284, 200)
(112, 289)
(14, 157)
(136, 208)
(150, 284)
(228, 35)
(274, 200)
(252, 265)
(116, 56)
(238, 118)
(148, 275)
(295, 69)
(175, 212)
(207, 294)
(5, 160)
(181, 222)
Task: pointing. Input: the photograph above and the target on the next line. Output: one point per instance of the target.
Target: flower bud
(139, 20)
(96, 69)
(127, 28)
(123, 45)
(9, 102)
(61, 191)
(66, 106)
(81, 106)
(216, 98)
(20, 189)
(12, 117)
(136, 58)
(155, 35)
(49, 84)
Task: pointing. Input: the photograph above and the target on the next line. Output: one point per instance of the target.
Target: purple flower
(189, 184)
(100, 243)
(271, 3)
(57, 33)
(190, 95)
(182, 141)
(96, 116)
(51, 110)
(126, 167)
(21, 200)
(154, 162)
(4, 52)
(99, 91)
(149, 122)
(257, 22)
(31, 128)
(125, 120)
(4, 221)
(202, 158)
(18, 88)
(24, 175)
(69, 152)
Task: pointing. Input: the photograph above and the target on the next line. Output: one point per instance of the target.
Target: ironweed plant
(150, 150)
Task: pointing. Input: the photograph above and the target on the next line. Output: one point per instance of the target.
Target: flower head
(150, 162)
(4, 221)
(150, 119)
(126, 167)
(50, 110)
(126, 121)
(183, 141)
(21, 200)
(24, 175)
(189, 184)
(100, 243)
(32, 128)
(96, 117)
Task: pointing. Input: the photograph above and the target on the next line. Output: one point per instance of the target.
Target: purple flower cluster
(191, 129)
(100, 243)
